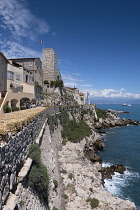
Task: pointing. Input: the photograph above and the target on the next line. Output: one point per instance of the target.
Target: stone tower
(49, 65)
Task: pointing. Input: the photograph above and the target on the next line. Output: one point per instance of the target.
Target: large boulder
(107, 172)
(98, 145)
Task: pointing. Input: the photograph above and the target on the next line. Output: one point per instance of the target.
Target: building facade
(50, 71)
(19, 79)
(16, 84)
(78, 97)
(3, 75)
(34, 65)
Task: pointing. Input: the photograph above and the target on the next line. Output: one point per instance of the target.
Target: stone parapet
(14, 153)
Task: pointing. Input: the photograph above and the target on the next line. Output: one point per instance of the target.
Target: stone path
(49, 154)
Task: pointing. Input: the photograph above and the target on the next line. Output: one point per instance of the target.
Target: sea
(122, 146)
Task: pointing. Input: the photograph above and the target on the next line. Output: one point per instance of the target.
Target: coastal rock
(85, 182)
(90, 149)
(98, 145)
(109, 123)
(107, 172)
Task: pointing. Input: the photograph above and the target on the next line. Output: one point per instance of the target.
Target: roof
(81, 94)
(4, 57)
(70, 88)
(22, 58)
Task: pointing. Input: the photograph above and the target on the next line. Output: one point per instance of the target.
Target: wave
(119, 181)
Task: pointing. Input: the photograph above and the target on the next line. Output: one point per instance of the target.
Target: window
(31, 63)
(26, 78)
(18, 77)
(10, 75)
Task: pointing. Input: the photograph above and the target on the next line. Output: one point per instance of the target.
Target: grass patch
(75, 131)
(54, 208)
(101, 113)
(64, 141)
(65, 196)
(70, 176)
(93, 202)
(55, 183)
(63, 171)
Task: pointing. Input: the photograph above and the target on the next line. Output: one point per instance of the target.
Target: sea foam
(119, 181)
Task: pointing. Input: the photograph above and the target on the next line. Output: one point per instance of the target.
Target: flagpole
(42, 42)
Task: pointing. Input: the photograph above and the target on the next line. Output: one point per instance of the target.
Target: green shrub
(101, 113)
(46, 82)
(70, 176)
(63, 171)
(22, 107)
(6, 109)
(75, 131)
(39, 180)
(21, 203)
(55, 183)
(65, 196)
(93, 202)
(35, 154)
(14, 108)
(56, 83)
(64, 141)
(54, 208)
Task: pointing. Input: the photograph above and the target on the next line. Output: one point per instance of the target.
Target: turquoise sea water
(122, 145)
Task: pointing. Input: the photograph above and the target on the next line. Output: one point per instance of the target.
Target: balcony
(16, 88)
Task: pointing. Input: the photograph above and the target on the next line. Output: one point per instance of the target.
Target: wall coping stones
(38, 139)
(24, 170)
(11, 202)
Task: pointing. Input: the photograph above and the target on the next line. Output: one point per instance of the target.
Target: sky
(97, 42)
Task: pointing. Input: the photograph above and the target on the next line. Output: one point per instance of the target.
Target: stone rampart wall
(14, 153)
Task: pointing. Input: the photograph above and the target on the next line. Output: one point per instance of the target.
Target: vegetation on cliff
(93, 202)
(75, 131)
(101, 113)
(38, 177)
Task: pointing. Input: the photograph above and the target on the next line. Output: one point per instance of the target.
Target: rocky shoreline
(82, 180)
(78, 169)
(84, 177)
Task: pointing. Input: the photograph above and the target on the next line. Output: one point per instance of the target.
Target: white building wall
(3, 74)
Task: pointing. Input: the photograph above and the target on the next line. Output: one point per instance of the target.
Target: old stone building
(50, 71)
(34, 65)
(3, 74)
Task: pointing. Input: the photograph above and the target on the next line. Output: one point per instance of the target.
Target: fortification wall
(15, 151)
(13, 155)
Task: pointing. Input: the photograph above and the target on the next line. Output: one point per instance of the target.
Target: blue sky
(97, 42)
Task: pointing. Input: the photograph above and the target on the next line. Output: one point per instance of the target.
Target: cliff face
(75, 181)
(79, 179)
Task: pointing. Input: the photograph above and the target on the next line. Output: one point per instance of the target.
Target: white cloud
(19, 20)
(86, 85)
(70, 78)
(111, 93)
(63, 63)
(15, 50)
(76, 74)
(70, 84)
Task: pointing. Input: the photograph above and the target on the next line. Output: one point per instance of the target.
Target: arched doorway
(24, 101)
(14, 102)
